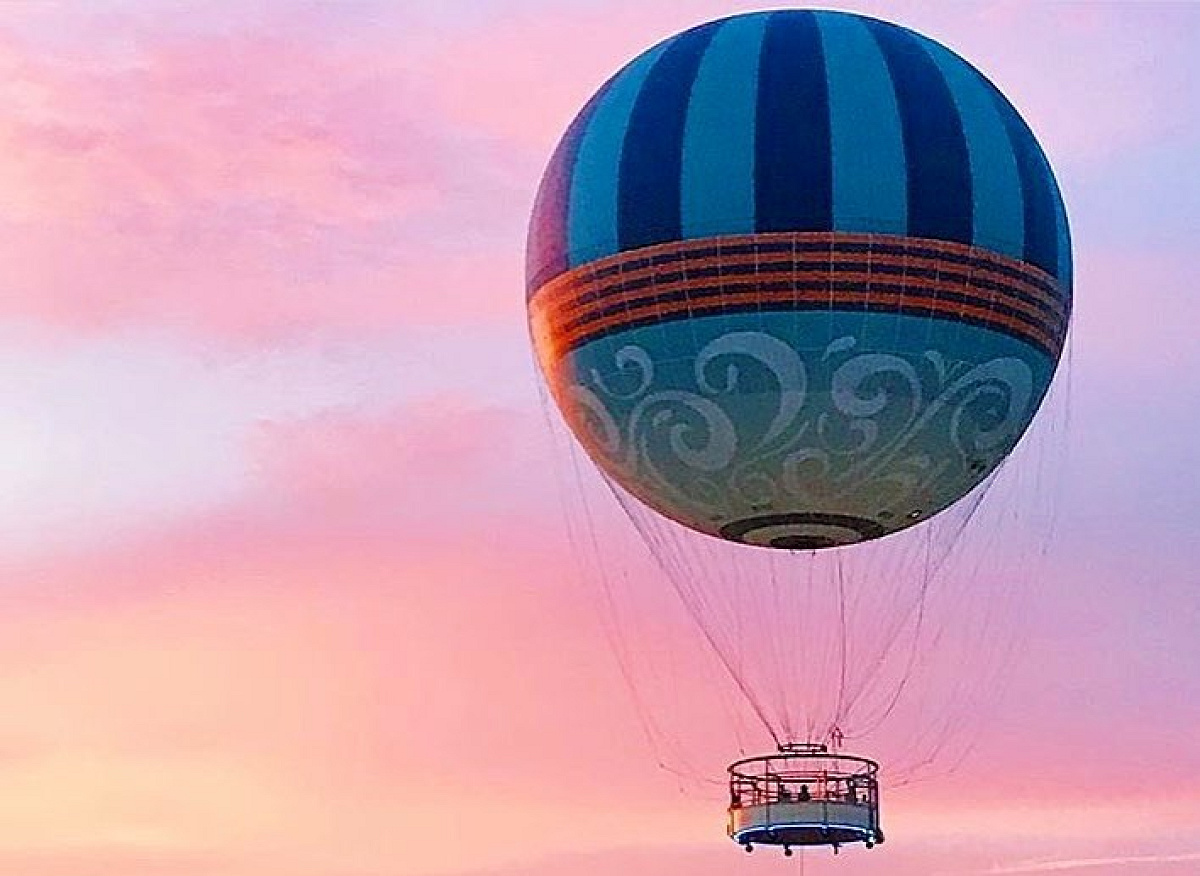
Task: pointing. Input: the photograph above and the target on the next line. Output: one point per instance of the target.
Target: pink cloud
(310, 694)
(445, 470)
(311, 689)
(242, 185)
(181, 122)
(394, 626)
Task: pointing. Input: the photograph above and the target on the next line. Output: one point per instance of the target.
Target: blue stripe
(998, 219)
(869, 187)
(717, 177)
(794, 172)
(649, 207)
(1037, 187)
(592, 211)
(939, 171)
(546, 253)
(1062, 230)
(1064, 272)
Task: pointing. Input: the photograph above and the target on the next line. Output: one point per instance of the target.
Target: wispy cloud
(1066, 864)
(242, 184)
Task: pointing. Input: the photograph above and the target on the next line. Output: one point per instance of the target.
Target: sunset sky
(284, 586)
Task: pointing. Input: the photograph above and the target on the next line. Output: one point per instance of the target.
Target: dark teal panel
(794, 167)
(870, 192)
(939, 171)
(717, 176)
(1062, 230)
(998, 217)
(592, 226)
(1065, 269)
(547, 255)
(1038, 189)
(648, 211)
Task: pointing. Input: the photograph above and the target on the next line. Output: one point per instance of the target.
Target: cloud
(325, 702)
(1061, 866)
(244, 185)
(356, 705)
(441, 469)
(106, 439)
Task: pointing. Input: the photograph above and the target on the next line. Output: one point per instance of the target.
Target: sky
(284, 585)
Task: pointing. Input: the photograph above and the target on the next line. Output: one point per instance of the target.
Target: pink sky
(286, 590)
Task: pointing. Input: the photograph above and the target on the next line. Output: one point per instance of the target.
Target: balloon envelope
(798, 279)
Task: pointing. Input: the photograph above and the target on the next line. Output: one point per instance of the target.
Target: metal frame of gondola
(804, 795)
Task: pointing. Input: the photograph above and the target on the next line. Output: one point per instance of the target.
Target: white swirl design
(751, 425)
(670, 411)
(591, 420)
(785, 365)
(625, 357)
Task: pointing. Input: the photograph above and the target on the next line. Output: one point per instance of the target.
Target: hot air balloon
(798, 280)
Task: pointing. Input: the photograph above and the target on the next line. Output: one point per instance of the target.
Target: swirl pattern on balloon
(843, 442)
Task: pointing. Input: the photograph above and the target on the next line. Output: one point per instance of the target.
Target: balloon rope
(697, 617)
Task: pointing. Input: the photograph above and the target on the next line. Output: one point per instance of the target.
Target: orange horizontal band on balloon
(609, 290)
(914, 254)
(570, 311)
(837, 243)
(567, 339)
(915, 298)
(607, 287)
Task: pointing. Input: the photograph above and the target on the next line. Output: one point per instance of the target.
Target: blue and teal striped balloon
(798, 278)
